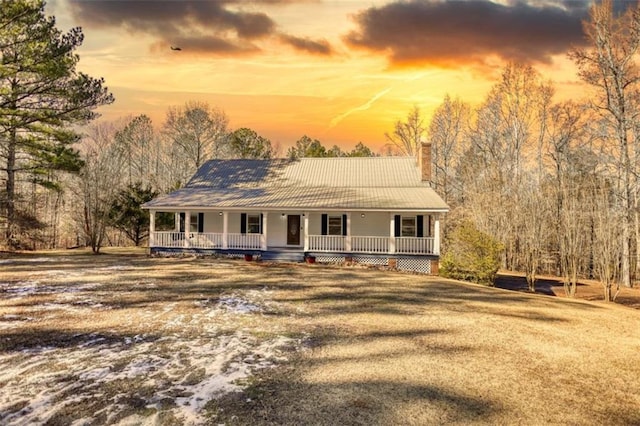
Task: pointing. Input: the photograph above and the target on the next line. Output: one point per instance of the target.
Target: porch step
(275, 255)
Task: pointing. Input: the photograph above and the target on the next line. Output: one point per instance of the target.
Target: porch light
(283, 215)
(220, 214)
(362, 215)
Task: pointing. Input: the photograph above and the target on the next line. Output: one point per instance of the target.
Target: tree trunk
(607, 292)
(626, 226)
(11, 188)
(637, 235)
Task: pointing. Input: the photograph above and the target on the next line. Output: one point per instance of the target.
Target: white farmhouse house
(373, 210)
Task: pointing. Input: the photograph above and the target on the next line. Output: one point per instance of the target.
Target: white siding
(234, 223)
(277, 230)
(373, 224)
(315, 223)
(212, 222)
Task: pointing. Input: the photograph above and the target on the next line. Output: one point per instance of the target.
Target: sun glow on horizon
(349, 96)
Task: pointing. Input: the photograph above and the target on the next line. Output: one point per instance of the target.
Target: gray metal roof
(370, 183)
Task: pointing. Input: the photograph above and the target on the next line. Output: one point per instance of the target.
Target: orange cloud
(319, 47)
(197, 26)
(459, 32)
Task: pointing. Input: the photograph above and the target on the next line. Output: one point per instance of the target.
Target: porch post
(392, 233)
(152, 228)
(263, 236)
(187, 227)
(347, 240)
(225, 230)
(306, 231)
(176, 222)
(436, 235)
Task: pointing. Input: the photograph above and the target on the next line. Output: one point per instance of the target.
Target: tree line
(556, 183)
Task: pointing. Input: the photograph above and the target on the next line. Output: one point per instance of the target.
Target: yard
(123, 338)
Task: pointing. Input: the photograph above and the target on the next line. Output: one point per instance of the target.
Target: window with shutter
(253, 224)
(408, 226)
(335, 225)
(193, 224)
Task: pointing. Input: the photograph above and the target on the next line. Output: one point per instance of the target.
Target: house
(375, 210)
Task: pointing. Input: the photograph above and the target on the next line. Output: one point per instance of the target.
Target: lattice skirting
(415, 265)
(235, 255)
(330, 259)
(371, 260)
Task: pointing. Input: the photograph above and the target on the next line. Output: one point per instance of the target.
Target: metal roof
(369, 183)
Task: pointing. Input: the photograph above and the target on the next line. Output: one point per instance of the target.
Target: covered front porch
(345, 232)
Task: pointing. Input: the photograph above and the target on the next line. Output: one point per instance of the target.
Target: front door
(293, 230)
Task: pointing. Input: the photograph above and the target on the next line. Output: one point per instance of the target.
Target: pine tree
(41, 95)
(126, 212)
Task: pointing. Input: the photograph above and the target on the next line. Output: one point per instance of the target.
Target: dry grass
(382, 348)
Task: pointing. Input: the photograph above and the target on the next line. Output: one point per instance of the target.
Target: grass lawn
(126, 339)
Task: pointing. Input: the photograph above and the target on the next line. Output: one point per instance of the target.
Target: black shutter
(261, 222)
(182, 221)
(325, 224)
(398, 225)
(201, 222)
(344, 224)
(420, 226)
(243, 223)
(429, 234)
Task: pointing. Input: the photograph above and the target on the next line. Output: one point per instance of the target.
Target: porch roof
(381, 183)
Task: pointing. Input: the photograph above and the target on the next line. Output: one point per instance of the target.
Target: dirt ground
(552, 286)
(126, 339)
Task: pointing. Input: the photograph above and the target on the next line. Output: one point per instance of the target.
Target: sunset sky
(341, 71)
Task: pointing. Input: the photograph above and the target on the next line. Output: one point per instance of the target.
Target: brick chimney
(424, 161)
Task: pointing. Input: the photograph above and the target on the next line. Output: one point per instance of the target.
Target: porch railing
(205, 240)
(196, 240)
(360, 244)
(370, 244)
(414, 245)
(320, 243)
(326, 243)
(245, 241)
(168, 239)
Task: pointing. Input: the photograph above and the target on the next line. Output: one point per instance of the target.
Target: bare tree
(139, 145)
(99, 182)
(532, 215)
(609, 65)
(608, 221)
(196, 133)
(447, 132)
(508, 126)
(407, 135)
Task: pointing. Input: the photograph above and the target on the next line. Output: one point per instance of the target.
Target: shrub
(471, 255)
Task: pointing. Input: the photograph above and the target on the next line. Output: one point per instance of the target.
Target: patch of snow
(55, 273)
(237, 305)
(199, 370)
(28, 288)
(187, 369)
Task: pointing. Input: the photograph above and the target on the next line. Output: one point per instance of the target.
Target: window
(335, 225)
(193, 227)
(253, 223)
(408, 226)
